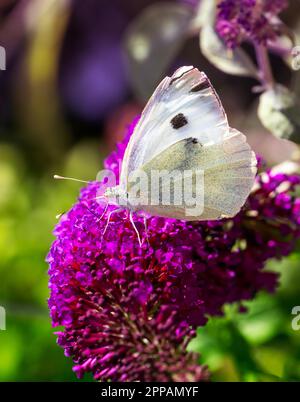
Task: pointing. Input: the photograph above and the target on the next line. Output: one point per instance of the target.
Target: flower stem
(266, 75)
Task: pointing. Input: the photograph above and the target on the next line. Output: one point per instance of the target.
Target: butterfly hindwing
(228, 173)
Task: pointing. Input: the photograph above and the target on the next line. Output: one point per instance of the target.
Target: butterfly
(183, 131)
(184, 128)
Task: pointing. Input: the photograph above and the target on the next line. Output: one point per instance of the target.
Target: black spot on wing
(190, 150)
(201, 86)
(178, 121)
(192, 141)
(180, 76)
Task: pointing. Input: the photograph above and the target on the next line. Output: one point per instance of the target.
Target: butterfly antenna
(135, 228)
(99, 217)
(57, 177)
(93, 213)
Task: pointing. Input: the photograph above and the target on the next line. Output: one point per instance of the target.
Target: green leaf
(279, 112)
(235, 62)
(205, 13)
(152, 41)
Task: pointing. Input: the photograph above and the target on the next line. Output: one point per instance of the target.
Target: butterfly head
(116, 195)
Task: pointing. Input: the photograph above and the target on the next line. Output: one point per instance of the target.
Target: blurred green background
(66, 96)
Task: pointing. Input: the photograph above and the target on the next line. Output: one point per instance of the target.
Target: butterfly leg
(99, 217)
(146, 229)
(135, 228)
(104, 212)
(114, 211)
(145, 217)
(93, 213)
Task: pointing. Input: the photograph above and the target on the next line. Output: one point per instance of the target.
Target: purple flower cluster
(249, 19)
(129, 311)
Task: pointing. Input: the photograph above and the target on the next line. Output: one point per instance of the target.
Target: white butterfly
(184, 127)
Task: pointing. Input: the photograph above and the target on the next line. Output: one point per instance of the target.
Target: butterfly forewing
(184, 105)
